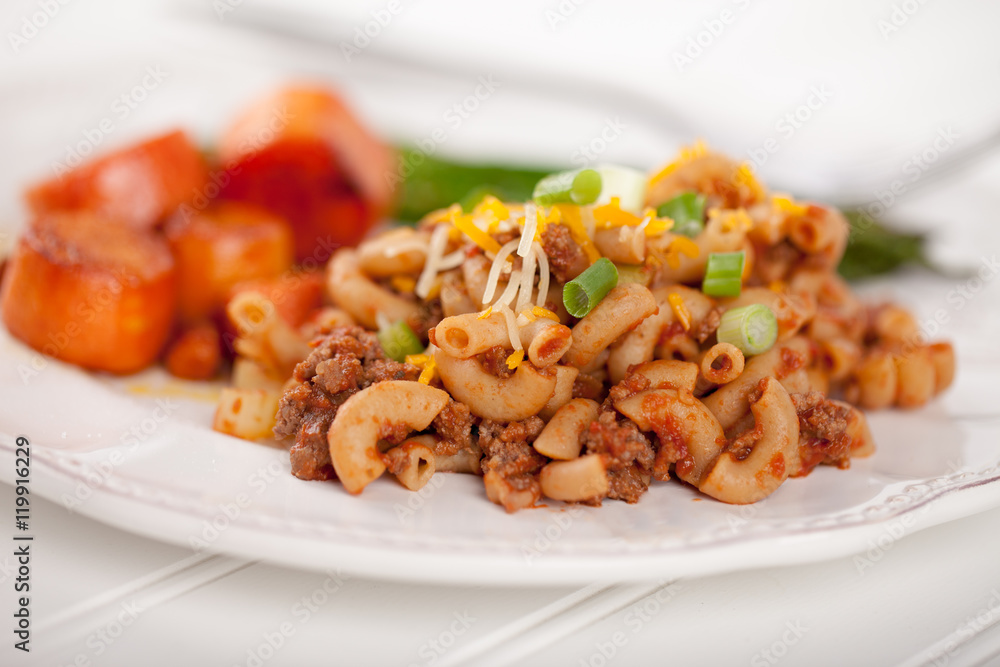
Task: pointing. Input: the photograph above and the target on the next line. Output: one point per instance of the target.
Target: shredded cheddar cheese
(681, 245)
(656, 226)
(611, 215)
(486, 313)
(789, 206)
(515, 359)
(571, 218)
(680, 310)
(735, 220)
(441, 215)
(779, 286)
(492, 209)
(427, 374)
(538, 311)
(465, 224)
(403, 284)
(417, 360)
(744, 176)
(686, 154)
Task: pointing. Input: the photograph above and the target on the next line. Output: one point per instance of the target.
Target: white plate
(136, 454)
(156, 469)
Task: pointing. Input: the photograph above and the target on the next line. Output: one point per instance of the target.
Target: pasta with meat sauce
(581, 350)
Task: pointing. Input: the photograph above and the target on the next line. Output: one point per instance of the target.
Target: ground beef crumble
(494, 362)
(627, 454)
(627, 388)
(708, 325)
(823, 436)
(507, 447)
(566, 258)
(342, 363)
(454, 426)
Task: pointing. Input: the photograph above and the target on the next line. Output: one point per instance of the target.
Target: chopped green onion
(724, 274)
(628, 184)
(581, 186)
(581, 294)
(398, 340)
(687, 210)
(478, 194)
(751, 328)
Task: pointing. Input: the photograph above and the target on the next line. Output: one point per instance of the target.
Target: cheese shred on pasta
(786, 204)
(439, 241)
(512, 330)
(528, 231)
(543, 274)
(515, 359)
(499, 263)
(680, 310)
(527, 279)
(429, 371)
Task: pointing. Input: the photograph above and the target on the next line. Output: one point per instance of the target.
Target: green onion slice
(581, 294)
(724, 274)
(751, 328)
(398, 340)
(581, 186)
(687, 210)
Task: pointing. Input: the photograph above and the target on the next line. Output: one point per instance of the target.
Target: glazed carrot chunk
(221, 246)
(90, 293)
(302, 154)
(195, 354)
(137, 186)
